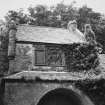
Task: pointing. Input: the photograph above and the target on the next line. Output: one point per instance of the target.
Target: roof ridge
(41, 26)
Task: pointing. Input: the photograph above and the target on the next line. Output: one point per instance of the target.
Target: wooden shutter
(40, 55)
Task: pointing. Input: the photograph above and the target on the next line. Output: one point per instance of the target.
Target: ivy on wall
(81, 56)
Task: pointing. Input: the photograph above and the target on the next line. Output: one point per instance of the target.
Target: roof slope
(46, 35)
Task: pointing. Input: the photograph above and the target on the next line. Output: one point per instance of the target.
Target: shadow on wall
(62, 96)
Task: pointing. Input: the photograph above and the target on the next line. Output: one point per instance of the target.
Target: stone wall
(22, 60)
(21, 92)
(30, 93)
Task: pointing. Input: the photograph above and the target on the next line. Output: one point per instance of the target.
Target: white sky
(6, 5)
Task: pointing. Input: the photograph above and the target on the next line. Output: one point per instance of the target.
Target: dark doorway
(61, 97)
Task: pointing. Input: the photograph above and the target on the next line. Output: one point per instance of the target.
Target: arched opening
(62, 97)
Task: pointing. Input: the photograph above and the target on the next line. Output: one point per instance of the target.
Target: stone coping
(53, 75)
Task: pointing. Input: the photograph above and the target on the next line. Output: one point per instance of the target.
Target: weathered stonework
(31, 92)
(12, 41)
(35, 88)
(4, 63)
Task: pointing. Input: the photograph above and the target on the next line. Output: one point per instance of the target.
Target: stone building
(43, 47)
(38, 55)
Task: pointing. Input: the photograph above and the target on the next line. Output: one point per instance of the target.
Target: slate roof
(29, 33)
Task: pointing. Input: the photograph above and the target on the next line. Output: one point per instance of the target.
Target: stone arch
(63, 96)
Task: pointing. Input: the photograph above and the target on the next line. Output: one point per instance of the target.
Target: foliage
(94, 89)
(18, 16)
(82, 57)
(86, 15)
(58, 16)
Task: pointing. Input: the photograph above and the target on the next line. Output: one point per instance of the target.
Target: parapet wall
(28, 88)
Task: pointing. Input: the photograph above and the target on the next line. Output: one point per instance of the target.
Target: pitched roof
(31, 33)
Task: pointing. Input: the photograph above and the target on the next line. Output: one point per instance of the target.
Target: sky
(6, 5)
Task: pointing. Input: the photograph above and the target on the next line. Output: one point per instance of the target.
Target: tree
(39, 14)
(18, 16)
(58, 16)
(87, 15)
